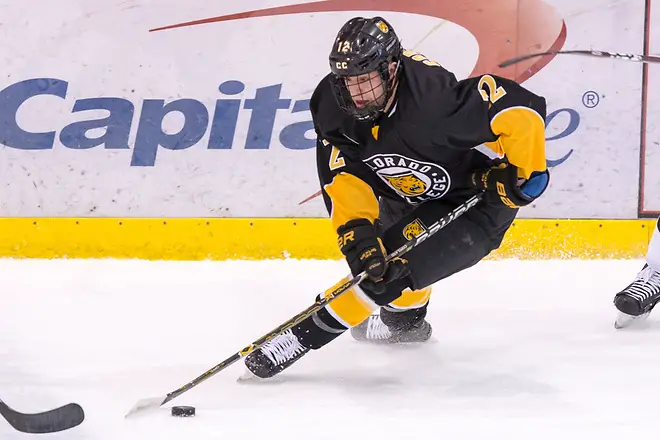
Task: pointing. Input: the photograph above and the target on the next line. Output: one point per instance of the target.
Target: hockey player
(638, 299)
(396, 137)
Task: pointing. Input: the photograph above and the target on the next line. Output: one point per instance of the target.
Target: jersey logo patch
(413, 180)
(406, 183)
(414, 229)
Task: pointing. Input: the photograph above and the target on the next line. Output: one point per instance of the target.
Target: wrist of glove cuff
(502, 185)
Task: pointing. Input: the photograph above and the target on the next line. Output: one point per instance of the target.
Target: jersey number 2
(336, 161)
(494, 92)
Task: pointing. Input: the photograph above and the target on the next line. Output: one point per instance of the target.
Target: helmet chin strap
(391, 95)
(392, 98)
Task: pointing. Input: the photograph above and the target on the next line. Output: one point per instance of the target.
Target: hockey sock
(411, 299)
(349, 310)
(318, 330)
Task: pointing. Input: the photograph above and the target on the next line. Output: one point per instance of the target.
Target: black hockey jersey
(423, 148)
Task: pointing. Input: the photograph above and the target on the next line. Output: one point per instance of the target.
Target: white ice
(521, 350)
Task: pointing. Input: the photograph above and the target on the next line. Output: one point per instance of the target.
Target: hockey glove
(363, 250)
(502, 185)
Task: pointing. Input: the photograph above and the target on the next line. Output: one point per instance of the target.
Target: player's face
(367, 89)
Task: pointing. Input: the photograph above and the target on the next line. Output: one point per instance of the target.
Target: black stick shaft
(590, 53)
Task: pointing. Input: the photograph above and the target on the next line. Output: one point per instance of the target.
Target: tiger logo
(414, 229)
(407, 183)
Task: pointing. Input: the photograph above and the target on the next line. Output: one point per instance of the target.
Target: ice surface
(521, 350)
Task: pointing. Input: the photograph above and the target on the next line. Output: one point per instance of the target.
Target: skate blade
(623, 320)
(248, 377)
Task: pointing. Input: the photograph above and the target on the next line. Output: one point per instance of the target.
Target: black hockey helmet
(364, 45)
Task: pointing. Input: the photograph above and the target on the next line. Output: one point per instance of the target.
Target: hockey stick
(59, 419)
(590, 53)
(156, 402)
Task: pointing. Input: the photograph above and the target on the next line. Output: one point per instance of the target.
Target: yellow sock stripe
(412, 299)
(352, 307)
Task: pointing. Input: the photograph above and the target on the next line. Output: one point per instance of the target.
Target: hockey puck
(183, 411)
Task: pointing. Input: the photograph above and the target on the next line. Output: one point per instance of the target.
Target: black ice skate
(636, 301)
(374, 330)
(275, 355)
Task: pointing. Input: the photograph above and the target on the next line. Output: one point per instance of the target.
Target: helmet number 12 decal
(344, 47)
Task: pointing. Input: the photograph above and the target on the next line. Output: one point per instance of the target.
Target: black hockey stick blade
(589, 53)
(153, 403)
(58, 419)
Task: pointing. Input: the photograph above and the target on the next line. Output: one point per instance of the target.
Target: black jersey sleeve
(346, 195)
(503, 115)
(342, 175)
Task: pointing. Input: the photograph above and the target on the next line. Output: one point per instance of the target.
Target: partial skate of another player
(636, 302)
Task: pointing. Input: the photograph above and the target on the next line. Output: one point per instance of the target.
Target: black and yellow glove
(359, 243)
(502, 184)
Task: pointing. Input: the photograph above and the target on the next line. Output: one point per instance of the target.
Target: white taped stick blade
(146, 405)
